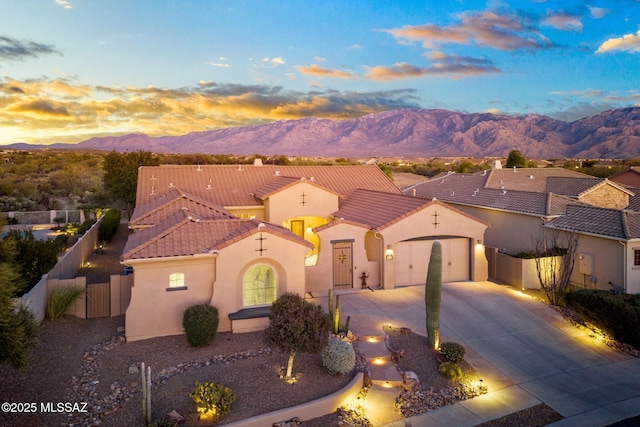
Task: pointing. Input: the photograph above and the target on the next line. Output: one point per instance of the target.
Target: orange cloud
(47, 111)
(628, 42)
(316, 70)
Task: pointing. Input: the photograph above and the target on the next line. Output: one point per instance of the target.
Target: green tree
(18, 328)
(121, 176)
(516, 160)
(297, 325)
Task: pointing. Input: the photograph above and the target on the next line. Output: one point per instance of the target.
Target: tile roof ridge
(161, 204)
(161, 234)
(625, 224)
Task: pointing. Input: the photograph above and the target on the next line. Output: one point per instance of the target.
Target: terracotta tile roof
(228, 185)
(612, 223)
(182, 236)
(282, 182)
(375, 209)
(169, 203)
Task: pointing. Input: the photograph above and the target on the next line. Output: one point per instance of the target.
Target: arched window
(259, 286)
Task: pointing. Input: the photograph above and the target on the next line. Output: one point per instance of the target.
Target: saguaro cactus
(334, 313)
(433, 295)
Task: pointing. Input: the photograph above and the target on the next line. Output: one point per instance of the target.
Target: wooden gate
(342, 264)
(98, 300)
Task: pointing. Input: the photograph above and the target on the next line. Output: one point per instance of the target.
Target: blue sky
(74, 69)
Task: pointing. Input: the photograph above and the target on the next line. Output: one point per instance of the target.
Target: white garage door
(411, 260)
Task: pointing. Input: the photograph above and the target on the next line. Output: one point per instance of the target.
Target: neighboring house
(629, 177)
(522, 205)
(238, 236)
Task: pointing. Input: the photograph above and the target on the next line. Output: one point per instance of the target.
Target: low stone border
(314, 409)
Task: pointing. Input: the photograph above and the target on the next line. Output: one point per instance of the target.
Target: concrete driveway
(524, 351)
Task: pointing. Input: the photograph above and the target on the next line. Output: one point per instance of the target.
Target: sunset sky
(74, 69)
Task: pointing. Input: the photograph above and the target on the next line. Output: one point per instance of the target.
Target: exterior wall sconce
(388, 254)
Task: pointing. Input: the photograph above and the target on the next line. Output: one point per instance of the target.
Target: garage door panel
(411, 260)
(456, 267)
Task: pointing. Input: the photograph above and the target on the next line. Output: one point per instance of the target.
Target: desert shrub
(339, 356)
(60, 301)
(618, 315)
(200, 323)
(452, 351)
(213, 401)
(86, 225)
(450, 370)
(109, 225)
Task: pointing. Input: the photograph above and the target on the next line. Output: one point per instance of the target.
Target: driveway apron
(524, 351)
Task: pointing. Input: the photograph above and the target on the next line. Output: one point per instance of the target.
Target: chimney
(257, 162)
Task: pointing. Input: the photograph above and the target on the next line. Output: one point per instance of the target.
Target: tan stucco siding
(606, 196)
(320, 276)
(449, 223)
(606, 258)
(288, 203)
(284, 256)
(155, 311)
(510, 232)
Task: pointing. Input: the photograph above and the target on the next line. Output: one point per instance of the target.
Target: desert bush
(452, 351)
(450, 370)
(213, 401)
(60, 301)
(200, 323)
(618, 315)
(339, 356)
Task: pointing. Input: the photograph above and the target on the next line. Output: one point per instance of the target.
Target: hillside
(405, 132)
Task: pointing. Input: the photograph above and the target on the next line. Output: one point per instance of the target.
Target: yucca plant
(60, 301)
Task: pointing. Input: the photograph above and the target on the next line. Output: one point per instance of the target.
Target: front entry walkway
(525, 352)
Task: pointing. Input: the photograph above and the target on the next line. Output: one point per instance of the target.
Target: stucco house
(522, 205)
(238, 236)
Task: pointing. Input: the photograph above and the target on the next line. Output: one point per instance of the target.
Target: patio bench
(250, 319)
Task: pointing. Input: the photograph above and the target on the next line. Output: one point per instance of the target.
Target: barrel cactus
(339, 356)
(433, 295)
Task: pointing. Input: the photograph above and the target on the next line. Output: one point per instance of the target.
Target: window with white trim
(636, 257)
(259, 286)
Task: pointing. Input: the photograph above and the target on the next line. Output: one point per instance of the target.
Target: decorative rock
(411, 382)
(293, 422)
(133, 369)
(175, 417)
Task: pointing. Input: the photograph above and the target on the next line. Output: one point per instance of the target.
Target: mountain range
(402, 133)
